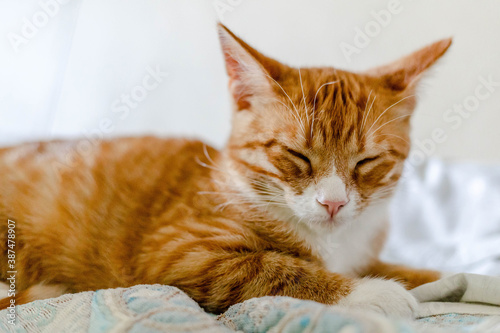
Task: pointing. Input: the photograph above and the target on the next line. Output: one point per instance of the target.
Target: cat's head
(319, 145)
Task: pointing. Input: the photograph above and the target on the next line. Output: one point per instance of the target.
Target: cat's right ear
(403, 74)
(250, 73)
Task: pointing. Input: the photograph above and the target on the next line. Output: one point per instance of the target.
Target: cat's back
(88, 204)
(127, 174)
(63, 155)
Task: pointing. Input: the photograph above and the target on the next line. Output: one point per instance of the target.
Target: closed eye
(367, 160)
(299, 155)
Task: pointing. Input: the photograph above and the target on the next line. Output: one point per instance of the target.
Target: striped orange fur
(225, 226)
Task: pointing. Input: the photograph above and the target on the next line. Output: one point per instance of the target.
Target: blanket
(445, 216)
(459, 303)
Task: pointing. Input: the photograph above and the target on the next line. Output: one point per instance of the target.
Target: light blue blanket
(157, 308)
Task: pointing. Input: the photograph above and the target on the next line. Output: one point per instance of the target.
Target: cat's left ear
(251, 74)
(404, 73)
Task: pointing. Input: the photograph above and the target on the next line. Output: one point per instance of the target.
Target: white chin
(323, 223)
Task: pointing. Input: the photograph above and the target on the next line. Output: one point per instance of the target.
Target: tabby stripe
(280, 162)
(256, 144)
(211, 228)
(201, 230)
(371, 166)
(397, 154)
(349, 133)
(298, 155)
(373, 176)
(369, 161)
(257, 169)
(208, 244)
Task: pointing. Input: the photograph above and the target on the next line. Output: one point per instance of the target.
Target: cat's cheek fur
(385, 296)
(308, 210)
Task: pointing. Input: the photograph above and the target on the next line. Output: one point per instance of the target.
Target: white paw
(386, 296)
(4, 288)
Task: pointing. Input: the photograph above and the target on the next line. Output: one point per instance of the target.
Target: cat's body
(294, 205)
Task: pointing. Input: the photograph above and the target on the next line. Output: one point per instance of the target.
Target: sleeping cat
(294, 204)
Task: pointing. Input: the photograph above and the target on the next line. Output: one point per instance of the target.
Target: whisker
(218, 182)
(291, 112)
(394, 135)
(205, 151)
(365, 115)
(289, 98)
(376, 120)
(303, 96)
(220, 193)
(317, 91)
(314, 105)
(390, 121)
(203, 164)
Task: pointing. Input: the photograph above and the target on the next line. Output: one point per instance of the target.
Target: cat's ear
(404, 73)
(250, 73)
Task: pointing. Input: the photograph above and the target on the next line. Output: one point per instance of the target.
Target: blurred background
(95, 69)
(66, 64)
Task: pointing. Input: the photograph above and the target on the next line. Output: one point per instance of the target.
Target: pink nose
(332, 207)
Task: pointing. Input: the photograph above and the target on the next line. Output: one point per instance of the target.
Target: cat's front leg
(220, 279)
(409, 277)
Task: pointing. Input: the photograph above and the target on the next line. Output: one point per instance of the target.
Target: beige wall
(67, 79)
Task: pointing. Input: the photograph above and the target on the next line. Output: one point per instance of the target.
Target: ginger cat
(294, 204)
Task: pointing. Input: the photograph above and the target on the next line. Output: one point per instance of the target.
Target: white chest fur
(351, 246)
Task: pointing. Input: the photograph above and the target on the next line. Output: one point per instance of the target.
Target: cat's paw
(385, 296)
